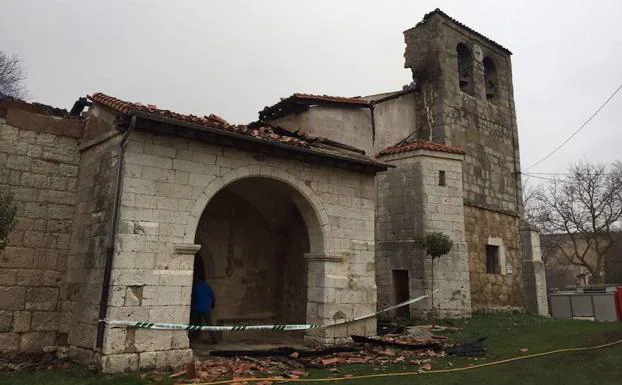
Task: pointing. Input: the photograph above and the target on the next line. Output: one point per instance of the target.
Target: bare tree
(530, 192)
(12, 76)
(581, 212)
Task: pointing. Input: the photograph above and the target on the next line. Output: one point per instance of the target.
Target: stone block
(152, 340)
(61, 197)
(145, 201)
(180, 339)
(61, 155)
(147, 360)
(45, 321)
(35, 239)
(8, 277)
(6, 321)
(58, 211)
(16, 257)
(173, 358)
(41, 298)
(9, 342)
(138, 186)
(29, 277)
(158, 150)
(18, 162)
(129, 313)
(44, 167)
(173, 190)
(119, 363)
(35, 180)
(115, 340)
(169, 314)
(44, 139)
(36, 341)
(68, 170)
(148, 160)
(21, 321)
(12, 298)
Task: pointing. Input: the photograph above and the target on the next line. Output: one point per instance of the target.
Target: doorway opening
(253, 239)
(402, 292)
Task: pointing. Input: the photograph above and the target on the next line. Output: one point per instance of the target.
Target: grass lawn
(506, 335)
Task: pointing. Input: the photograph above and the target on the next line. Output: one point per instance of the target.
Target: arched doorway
(254, 233)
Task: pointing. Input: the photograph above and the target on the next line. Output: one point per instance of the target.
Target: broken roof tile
(299, 101)
(272, 134)
(419, 144)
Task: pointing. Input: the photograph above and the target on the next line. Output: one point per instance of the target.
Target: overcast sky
(233, 58)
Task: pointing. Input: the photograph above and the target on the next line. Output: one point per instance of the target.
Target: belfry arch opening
(254, 234)
(465, 69)
(490, 79)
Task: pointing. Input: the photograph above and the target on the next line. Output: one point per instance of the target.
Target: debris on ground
(471, 348)
(402, 341)
(389, 328)
(49, 358)
(397, 349)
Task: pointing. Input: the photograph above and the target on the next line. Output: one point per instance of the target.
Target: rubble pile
(49, 358)
(402, 350)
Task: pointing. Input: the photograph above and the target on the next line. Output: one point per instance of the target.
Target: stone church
(307, 215)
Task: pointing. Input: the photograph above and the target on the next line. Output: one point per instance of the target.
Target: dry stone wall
(39, 165)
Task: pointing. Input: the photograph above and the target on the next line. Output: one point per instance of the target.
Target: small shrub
(8, 211)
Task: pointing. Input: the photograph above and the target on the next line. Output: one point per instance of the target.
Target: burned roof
(437, 11)
(39, 108)
(419, 144)
(299, 102)
(258, 132)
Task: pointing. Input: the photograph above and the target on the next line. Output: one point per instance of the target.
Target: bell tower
(465, 99)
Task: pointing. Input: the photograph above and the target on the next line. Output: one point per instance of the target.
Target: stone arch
(465, 69)
(307, 202)
(490, 79)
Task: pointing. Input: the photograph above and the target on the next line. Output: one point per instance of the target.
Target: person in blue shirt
(203, 302)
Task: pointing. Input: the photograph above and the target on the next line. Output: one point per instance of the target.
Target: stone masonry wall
(89, 242)
(494, 290)
(487, 130)
(411, 203)
(39, 165)
(351, 126)
(166, 184)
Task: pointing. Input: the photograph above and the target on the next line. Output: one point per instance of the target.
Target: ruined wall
(394, 121)
(486, 128)
(39, 165)
(411, 203)
(351, 126)
(167, 183)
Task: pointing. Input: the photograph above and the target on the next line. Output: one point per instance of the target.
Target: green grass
(506, 333)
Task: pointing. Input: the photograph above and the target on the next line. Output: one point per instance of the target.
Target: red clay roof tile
(419, 144)
(257, 130)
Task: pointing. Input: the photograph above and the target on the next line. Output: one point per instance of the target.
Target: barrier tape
(240, 328)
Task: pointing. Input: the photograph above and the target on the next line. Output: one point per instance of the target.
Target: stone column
(159, 292)
(534, 273)
(327, 283)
